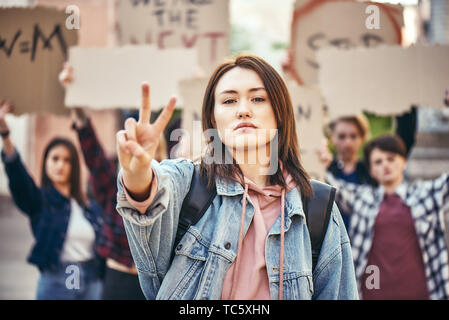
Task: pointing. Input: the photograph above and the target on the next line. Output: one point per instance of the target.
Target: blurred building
(430, 157)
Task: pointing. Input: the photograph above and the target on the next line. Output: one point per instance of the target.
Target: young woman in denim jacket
(253, 237)
(65, 229)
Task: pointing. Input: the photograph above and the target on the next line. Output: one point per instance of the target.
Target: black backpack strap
(195, 204)
(318, 209)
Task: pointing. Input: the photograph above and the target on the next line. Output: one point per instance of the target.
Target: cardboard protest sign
(308, 106)
(93, 18)
(34, 44)
(383, 80)
(318, 24)
(112, 77)
(192, 93)
(174, 23)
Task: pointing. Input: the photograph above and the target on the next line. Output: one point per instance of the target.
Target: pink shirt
(252, 279)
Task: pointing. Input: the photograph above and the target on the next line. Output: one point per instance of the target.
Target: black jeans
(121, 286)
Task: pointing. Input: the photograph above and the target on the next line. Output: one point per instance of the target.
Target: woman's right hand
(324, 154)
(66, 75)
(5, 108)
(137, 145)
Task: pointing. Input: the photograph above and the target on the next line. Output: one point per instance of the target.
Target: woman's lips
(245, 125)
(244, 128)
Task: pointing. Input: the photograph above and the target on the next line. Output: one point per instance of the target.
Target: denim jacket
(202, 259)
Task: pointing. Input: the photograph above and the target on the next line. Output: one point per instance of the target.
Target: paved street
(18, 278)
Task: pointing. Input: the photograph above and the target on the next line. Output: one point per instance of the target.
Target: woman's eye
(229, 101)
(258, 99)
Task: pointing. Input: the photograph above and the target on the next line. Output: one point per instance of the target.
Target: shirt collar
(400, 190)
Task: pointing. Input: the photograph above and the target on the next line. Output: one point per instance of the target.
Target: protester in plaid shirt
(396, 228)
(121, 280)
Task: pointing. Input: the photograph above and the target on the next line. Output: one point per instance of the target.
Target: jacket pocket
(184, 276)
(297, 286)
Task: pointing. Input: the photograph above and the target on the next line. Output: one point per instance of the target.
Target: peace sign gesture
(138, 142)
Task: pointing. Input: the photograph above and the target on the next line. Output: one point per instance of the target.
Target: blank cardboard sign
(33, 46)
(308, 106)
(112, 77)
(384, 80)
(192, 93)
(341, 24)
(177, 24)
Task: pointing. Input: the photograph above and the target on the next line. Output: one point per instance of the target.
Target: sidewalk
(18, 278)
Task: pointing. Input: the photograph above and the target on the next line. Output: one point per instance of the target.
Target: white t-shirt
(80, 237)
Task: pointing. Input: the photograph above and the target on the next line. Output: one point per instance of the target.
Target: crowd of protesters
(251, 238)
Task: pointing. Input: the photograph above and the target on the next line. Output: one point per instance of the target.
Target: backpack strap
(318, 210)
(195, 204)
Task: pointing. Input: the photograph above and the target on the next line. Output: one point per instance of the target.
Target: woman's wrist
(8, 147)
(138, 186)
(4, 133)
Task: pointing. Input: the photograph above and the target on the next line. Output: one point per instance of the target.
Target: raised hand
(137, 144)
(66, 75)
(5, 108)
(8, 147)
(324, 155)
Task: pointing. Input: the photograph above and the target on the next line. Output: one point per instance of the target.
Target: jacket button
(227, 245)
(179, 247)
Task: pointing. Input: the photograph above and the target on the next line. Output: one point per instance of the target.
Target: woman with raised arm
(65, 228)
(252, 242)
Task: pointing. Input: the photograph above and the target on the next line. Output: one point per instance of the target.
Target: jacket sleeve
(102, 170)
(26, 195)
(433, 195)
(346, 192)
(151, 234)
(334, 276)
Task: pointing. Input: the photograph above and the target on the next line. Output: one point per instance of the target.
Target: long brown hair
(281, 103)
(75, 172)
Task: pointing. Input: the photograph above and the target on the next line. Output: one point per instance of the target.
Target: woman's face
(243, 115)
(58, 165)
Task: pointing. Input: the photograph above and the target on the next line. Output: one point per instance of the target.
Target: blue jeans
(70, 281)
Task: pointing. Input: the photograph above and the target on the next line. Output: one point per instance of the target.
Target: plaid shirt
(113, 242)
(425, 199)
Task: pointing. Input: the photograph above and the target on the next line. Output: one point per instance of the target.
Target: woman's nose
(243, 114)
(243, 111)
(59, 165)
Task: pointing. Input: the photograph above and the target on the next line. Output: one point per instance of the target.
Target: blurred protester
(347, 135)
(121, 280)
(396, 231)
(66, 229)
